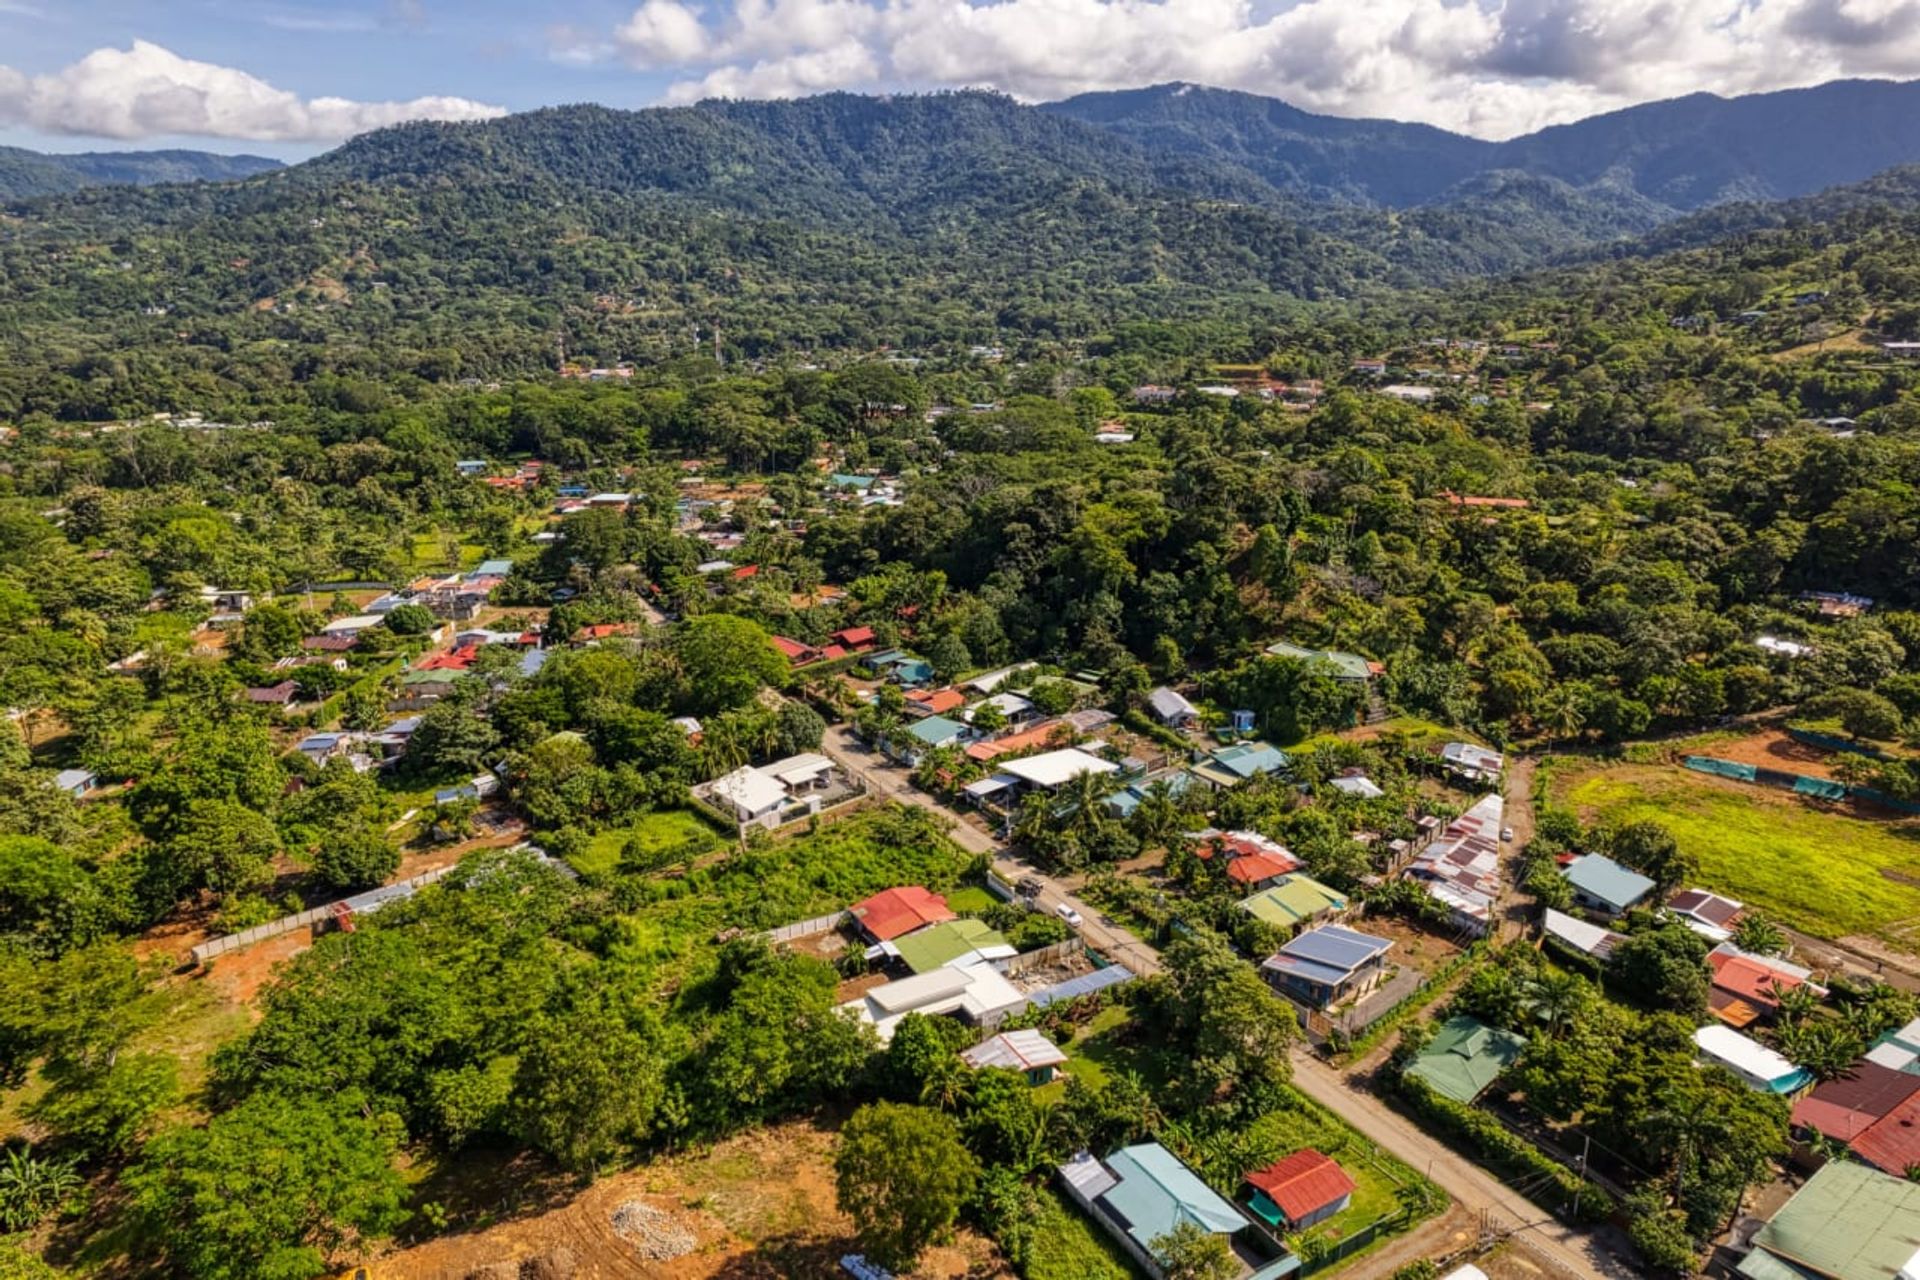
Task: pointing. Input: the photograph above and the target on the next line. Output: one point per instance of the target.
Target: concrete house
(1028, 1052)
(1759, 1067)
(1323, 967)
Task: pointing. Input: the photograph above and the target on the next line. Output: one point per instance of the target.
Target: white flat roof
(1744, 1054)
(358, 622)
(749, 790)
(795, 770)
(1053, 768)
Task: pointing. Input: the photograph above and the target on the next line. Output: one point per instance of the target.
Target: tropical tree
(1754, 932)
(901, 1174)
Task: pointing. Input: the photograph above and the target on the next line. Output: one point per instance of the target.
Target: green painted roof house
(939, 945)
(1465, 1056)
(1295, 900)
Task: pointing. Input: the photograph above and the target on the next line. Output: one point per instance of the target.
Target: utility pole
(1586, 1147)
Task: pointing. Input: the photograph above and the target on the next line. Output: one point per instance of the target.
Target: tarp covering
(1723, 768)
(1824, 788)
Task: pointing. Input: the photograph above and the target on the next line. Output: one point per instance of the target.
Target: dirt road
(892, 782)
(1562, 1248)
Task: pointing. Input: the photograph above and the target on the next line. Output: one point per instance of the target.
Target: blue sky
(292, 77)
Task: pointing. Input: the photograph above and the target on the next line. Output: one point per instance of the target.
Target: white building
(977, 994)
(767, 795)
(1051, 770)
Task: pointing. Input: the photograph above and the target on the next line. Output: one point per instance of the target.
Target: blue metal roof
(1084, 985)
(1156, 1193)
(1335, 947)
(1599, 876)
(937, 731)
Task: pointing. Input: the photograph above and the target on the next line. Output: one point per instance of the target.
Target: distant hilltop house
(1152, 394)
(1171, 709)
(1470, 500)
(1345, 666)
(1785, 648)
(1838, 604)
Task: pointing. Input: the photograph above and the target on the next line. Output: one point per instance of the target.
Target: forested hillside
(25, 174)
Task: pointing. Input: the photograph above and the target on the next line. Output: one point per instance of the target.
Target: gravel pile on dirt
(653, 1233)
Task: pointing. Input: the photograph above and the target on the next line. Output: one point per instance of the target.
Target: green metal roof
(1848, 1222)
(1347, 666)
(1295, 899)
(1465, 1056)
(928, 949)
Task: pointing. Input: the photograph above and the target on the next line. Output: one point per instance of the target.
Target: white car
(1506, 835)
(1068, 914)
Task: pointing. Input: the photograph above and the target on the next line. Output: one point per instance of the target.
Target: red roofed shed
(893, 913)
(1307, 1187)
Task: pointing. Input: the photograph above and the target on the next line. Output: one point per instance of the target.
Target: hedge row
(1507, 1154)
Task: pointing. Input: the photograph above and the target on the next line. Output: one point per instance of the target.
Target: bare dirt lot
(757, 1207)
(1773, 749)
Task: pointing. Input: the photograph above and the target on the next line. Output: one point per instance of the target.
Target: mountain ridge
(26, 174)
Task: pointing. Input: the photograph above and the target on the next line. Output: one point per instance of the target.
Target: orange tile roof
(938, 701)
(1750, 980)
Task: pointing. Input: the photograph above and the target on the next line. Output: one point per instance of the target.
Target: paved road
(893, 782)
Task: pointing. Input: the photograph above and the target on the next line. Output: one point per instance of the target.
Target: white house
(765, 795)
(1757, 1066)
(1171, 709)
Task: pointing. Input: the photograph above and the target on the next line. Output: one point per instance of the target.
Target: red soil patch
(1773, 749)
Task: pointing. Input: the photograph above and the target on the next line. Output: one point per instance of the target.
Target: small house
(1172, 709)
(892, 913)
(1357, 785)
(1576, 935)
(1465, 1057)
(1707, 914)
(1026, 1051)
(1228, 767)
(1757, 1066)
(1843, 1108)
(1306, 1188)
(1252, 860)
(1347, 667)
(978, 995)
(798, 652)
(855, 639)
(1461, 868)
(936, 702)
(1892, 1143)
(1746, 988)
(1471, 762)
(1293, 902)
(76, 782)
(1601, 884)
(273, 695)
(1141, 1193)
(353, 627)
(1323, 967)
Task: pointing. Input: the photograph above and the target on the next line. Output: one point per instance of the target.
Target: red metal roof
(1892, 1143)
(854, 637)
(1252, 868)
(604, 630)
(746, 571)
(452, 660)
(1302, 1184)
(1846, 1106)
(1750, 980)
(893, 912)
(794, 649)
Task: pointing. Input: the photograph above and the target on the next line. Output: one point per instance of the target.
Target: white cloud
(145, 91)
(1488, 67)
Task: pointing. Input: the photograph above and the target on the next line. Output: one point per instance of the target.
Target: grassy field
(1068, 1247)
(655, 834)
(1809, 866)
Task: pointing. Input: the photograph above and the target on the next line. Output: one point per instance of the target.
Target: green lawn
(970, 900)
(1090, 1053)
(1066, 1246)
(1809, 866)
(656, 833)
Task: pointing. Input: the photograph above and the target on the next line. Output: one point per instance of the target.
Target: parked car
(1068, 914)
(1506, 835)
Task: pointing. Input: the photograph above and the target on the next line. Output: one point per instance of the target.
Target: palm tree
(1158, 818)
(1085, 797)
(949, 1084)
(1797, 1003)
(1560, 713)
(1689, 1122)
(1759, 935)
(1558, 1000)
